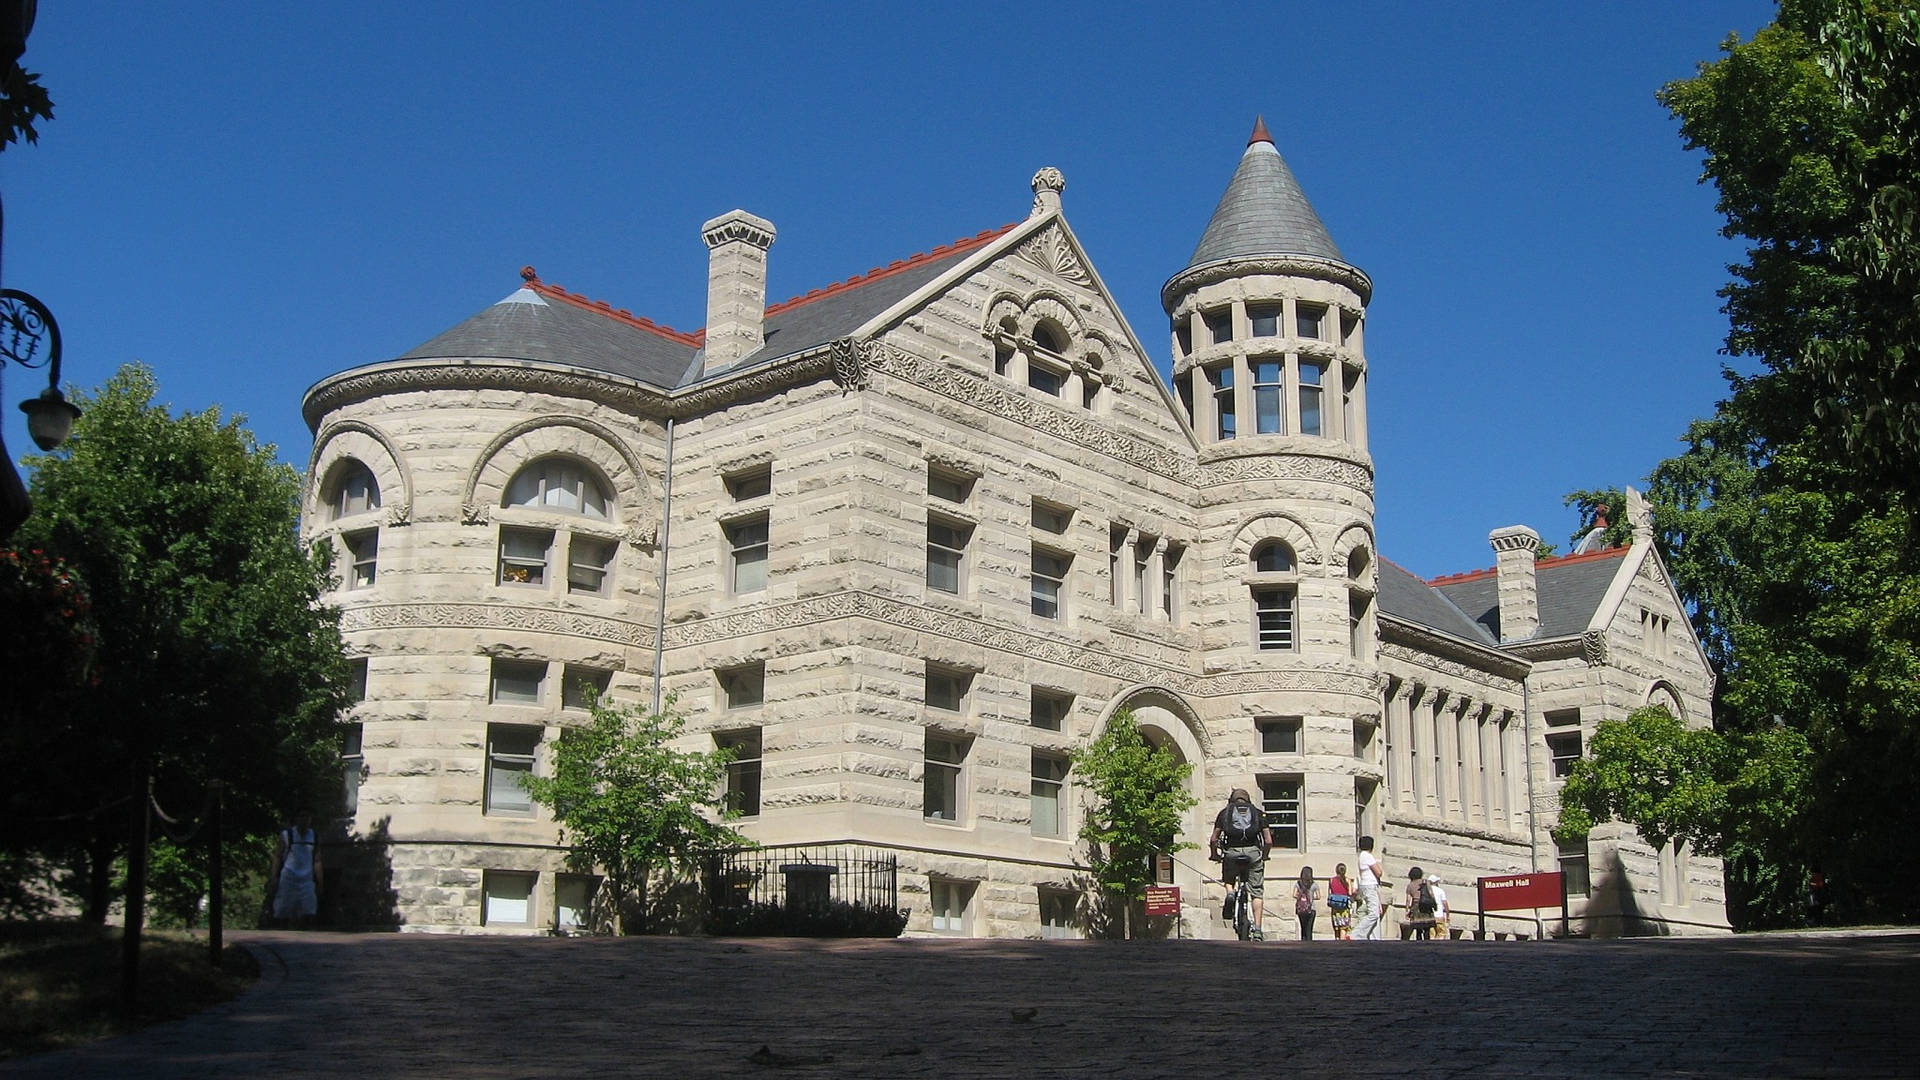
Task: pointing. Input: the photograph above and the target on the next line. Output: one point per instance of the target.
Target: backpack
(1302, 902)
(1426, 904)
(1243, 825)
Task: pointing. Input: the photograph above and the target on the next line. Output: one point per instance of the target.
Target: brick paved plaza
(423, 1006)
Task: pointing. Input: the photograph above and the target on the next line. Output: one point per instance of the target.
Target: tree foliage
(630, 803)
(213, 657)
(1139, 803)
(1789, 520)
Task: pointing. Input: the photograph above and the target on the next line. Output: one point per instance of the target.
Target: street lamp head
(50, 418)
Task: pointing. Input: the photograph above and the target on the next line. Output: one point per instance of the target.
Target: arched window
(559, 484)
(354, 491)
(1272, 557)
(1357, 561)
(1049, 337)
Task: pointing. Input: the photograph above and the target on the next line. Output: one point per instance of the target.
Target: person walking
(1366, 925)
(1420, 906)
(1441, 910)
(1306, 894)
(296, 872)
(1340, 903)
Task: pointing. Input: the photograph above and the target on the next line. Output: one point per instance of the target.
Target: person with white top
(1366, 927)
(296, 872)
(1440, 909)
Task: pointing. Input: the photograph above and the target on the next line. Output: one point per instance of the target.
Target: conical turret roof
(1264, 212)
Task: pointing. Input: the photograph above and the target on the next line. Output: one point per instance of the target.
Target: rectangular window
(750, 483)
(523, 556)
(944, 786)
(518, 682)
(747, 554)
(950, 486)
(510, 749)
(1220, 325)
(1221, 379)
(743, 772)
(356, 680)
(1350, 406)
(1058, 918)
(1310, 394)
(1049, 778)
(946, 553)
(573, 902)
(1049, 579)
(1573, 863)
(588, 563)
(1268, 417)
(1184, 386)
(580, 684)
(363, 557)
(1357, 627)
(352, 765)
(1142, 560)
(1043, 378)
(950, 902)
(1265, 319)
(1363, 792)
(1050, 518)
(1170, 580)
(745, 686)
(947, 688)
(1273, 617)
(1279, 734)
(1280, 798)
(1048, 709)
(1183, 336)
(507, 898)
(1564, 748)
(1363, 736)
(1116, 547)
(1307, 320)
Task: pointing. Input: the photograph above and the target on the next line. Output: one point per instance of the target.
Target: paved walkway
(404, 1005)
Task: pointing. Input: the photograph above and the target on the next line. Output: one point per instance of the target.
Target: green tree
(630, 803)
(1742, 797)
(1139, 801)
(214, 658)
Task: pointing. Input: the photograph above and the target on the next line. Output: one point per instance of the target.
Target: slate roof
(1405, 596)
(1570, 590)
(1263, 212)
(545, 323)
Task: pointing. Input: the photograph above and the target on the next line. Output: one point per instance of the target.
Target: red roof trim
(601, 307)
(964, 244)
(1562, 560)
(697, 337)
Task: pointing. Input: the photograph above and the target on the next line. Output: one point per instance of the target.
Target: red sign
(1520, 891)
(1163, 900)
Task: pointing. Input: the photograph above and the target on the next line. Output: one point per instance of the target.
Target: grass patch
(60, 983)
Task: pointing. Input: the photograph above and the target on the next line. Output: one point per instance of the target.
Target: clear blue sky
(250, 197)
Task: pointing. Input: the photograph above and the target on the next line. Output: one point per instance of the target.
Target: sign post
(1512, 891)
(1164, 900)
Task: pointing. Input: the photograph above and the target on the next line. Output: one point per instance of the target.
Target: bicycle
(1239, 900)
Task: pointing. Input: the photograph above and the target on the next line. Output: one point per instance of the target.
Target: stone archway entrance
(1162, 723)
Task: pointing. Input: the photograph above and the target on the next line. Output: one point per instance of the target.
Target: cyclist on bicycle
(1240, 837)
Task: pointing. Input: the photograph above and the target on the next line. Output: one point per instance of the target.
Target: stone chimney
(737, 244)
(1514, 550)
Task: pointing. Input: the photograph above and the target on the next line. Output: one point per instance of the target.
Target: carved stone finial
(1048, 183)
(1640, 516)
(529, 274)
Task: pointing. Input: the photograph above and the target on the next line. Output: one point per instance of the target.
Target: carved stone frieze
(1404, 641)
(1274, 265)
(1593, 648)
(495, 617)
(1289, 467)
(424, 375)
(849, 363)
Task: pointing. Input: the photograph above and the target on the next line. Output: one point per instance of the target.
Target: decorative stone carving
(1274, 265)
(1048, 183)
(1593, 648)
(474, 513)
(1050, 250)
(849, 363)
(409, 616)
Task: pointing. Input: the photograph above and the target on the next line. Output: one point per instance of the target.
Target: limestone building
(906, 541)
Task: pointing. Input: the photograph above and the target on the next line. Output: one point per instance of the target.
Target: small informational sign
(1163, 900)
(1520, 891)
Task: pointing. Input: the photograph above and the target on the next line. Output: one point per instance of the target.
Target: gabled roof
(1570, 590)
(1404, 596)
(1263, 212)
(545, 323)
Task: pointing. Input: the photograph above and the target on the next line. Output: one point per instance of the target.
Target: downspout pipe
(1533, 811)
(660, 581)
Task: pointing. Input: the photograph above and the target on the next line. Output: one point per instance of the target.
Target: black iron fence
(832, 890)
